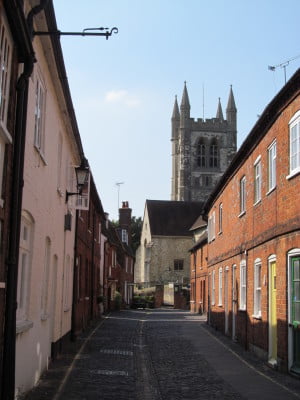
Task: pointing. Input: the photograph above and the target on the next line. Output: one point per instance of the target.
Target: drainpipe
(9, 352)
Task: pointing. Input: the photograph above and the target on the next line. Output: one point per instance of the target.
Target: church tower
(201, 149)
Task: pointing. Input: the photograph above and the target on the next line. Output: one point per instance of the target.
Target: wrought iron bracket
(85, 32)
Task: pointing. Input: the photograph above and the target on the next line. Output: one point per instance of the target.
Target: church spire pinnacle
(231, 110)
(185, 103)
(220, 111)
(176, 114)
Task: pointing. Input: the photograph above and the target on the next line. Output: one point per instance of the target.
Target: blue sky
(123, 88)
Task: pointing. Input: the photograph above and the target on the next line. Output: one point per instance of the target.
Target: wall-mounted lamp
(82, 175)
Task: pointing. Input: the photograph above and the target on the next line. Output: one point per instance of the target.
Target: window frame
(220, 291)
(178, 264)
(242, 195)
(257, 180)
(243, 286)
(220, 218)
(39, 115)
(272, 154)
(24, 269)
(213, 288)
(257, 288)
(212, 227)
(294, 123)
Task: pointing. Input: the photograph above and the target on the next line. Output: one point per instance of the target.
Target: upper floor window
(211, 226)
(243, 195)
(5, 68)
(201, 157)
(178, 265)
(272, 166)
(220, 217)
(39, 115)
(257, 180)
(295, 144)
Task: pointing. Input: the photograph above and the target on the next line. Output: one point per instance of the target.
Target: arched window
(201, 156)
(213, 154)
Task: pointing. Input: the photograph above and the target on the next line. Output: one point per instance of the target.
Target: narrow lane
(163, 355)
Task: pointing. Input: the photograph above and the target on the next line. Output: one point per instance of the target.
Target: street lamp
(82, 174)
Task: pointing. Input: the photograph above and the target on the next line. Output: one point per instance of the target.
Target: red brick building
(119, 260)
(254, 237)
(87, 290)
(199, 277)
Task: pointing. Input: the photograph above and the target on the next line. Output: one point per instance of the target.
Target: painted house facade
(46, 255)
(254, 237)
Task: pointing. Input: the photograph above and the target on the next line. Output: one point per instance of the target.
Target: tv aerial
(283, 65)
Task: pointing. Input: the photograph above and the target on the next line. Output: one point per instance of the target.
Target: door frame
(291, 254)
(234, 301)
(271, 360)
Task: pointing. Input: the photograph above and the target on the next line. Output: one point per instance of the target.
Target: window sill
(271, 191)
(242, 214)
(220, 305)
(44, 316)
(41, 155)
(258, 317)
(23, 326)
(66, 309)
(257, 203)
(243, 309)
(294, 173)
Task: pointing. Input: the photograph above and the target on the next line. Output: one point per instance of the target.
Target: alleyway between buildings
(160, 355)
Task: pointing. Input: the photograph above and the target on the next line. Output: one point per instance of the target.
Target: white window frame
(24, 268)
(257, 288)
(220, 303)
(212, 226)
(213, 288)
(272, 166)
(257, 180)
(220, 218)
(243, 286)
(5, 68)
(39, 115)
(5, 74)
(242, 195)
(294, 139)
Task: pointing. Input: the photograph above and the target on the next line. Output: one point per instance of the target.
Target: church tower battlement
(201, 149)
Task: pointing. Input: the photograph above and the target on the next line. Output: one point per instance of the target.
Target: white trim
(294, 117)
(257, 160)
(2, 285)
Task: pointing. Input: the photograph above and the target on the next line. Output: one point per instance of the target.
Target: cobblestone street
(160, 355)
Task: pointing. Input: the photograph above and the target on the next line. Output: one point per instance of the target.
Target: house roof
(271, 113)
(201, 240)
(199, 223)
(172, 218)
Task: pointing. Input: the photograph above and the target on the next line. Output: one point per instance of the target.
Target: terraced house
(254, 237)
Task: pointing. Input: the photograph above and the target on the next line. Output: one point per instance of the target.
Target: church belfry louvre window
(213, 155)
(201, 156)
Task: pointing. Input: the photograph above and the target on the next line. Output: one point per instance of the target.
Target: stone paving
(159, 355)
